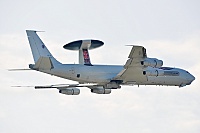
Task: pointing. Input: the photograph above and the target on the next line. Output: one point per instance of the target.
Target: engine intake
(153, 62)
(101, 90)
(70, 91)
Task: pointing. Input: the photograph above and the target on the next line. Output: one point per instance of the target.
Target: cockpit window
(166, 68)
(171, 73)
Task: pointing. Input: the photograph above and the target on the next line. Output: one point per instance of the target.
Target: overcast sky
(168, 29)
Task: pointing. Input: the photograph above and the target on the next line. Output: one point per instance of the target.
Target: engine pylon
(83, 46)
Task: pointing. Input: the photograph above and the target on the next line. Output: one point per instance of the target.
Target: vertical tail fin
(38, 48)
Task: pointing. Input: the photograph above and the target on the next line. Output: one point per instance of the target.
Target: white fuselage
(102, 74)
(138, 69)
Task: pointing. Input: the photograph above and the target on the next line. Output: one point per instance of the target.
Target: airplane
(101, 79)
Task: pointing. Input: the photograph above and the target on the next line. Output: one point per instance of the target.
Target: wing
(71, 89)
(64, 86)
(133, 70)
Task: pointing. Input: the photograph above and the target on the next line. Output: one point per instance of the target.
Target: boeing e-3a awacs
(101, 79)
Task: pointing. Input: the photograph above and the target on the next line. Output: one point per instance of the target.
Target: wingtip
(136, 44)
(34, 31)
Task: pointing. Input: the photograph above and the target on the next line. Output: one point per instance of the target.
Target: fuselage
(138, 69)
(102, 74)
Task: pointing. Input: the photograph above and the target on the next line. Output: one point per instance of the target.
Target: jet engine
(153, 72)
(70, 91)
(101, 90)
(153, 62)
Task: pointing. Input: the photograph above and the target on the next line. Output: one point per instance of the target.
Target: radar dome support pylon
(83, 46)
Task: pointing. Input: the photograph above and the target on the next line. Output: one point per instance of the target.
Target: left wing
(133, 70)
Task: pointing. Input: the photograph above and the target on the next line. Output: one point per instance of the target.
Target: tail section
(39, 50)
(43, 63)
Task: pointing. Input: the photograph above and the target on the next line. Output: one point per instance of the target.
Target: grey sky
(169, 29)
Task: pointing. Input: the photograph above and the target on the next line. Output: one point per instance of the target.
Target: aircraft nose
(190, 79)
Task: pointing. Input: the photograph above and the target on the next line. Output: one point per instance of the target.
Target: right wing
(65, 86)
(71, 89)
(133, 70)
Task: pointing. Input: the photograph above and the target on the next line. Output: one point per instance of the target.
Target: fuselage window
(78, 75)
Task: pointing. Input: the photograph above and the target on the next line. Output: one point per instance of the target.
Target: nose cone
(190, 78)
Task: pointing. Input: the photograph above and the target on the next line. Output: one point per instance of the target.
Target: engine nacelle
(112, 85)
(154, 72)
(153, 62)
(101, 90)
(70, 91)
